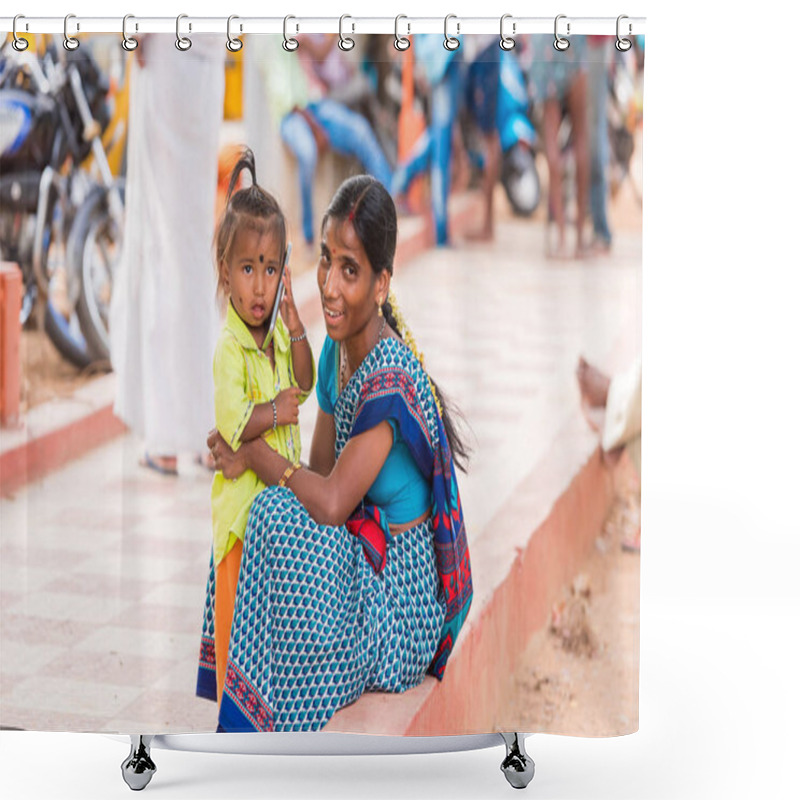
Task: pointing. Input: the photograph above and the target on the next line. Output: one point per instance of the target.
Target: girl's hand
(288, 308)
(230, 464)
(288, 405)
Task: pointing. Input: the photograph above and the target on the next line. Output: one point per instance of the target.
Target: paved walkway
(103, 564)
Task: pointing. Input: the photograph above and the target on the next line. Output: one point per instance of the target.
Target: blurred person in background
(557, 82)
(326, 121)
(454, 77)
(598, 63)
(163, 320)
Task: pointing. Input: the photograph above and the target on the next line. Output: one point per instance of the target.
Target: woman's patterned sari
(317, 621)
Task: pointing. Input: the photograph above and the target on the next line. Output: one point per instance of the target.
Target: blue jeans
(298, 137)
(348, 133)
(599, 146)
(433, 148)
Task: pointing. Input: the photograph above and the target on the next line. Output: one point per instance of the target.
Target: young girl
(259, 382)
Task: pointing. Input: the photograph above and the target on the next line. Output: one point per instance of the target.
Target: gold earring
(380, 307)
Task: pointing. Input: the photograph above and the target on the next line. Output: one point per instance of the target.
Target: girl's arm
(262, 418)
(328, 499)
(302, 359)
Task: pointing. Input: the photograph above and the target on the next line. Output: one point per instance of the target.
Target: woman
(332, 602)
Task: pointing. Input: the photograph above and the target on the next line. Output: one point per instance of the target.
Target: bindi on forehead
(261, 258)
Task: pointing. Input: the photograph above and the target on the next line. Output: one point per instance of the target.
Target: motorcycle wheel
(520, 179)
(93, 249)
(64, 330)
(66, 337)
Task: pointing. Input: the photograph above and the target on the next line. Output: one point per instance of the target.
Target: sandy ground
(46, 375)
(580, 675)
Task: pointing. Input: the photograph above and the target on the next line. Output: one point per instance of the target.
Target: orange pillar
(10, 305)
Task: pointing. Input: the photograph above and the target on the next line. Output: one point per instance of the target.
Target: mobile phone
(278, 296)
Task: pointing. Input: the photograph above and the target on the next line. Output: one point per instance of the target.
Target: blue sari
(318, 619)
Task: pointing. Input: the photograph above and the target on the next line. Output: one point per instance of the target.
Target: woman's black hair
(252, 207)
(365, 202)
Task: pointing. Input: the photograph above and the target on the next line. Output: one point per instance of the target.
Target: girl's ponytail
(251, 206)
(247, 161)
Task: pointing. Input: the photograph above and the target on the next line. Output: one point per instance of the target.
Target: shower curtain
(492, 587)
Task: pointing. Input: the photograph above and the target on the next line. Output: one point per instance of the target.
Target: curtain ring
(560, 43)
(289, 45)
(345, 42)
(70, 42)
(450, 42)
(128, 42)
(623, 45)
(233, 44)
(401, 42)
(507, 42)
(183, 43)
(19, 44)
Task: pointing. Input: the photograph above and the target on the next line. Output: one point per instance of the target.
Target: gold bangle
(290, 470)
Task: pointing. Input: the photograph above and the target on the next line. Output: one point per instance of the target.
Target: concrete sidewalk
(103, 564)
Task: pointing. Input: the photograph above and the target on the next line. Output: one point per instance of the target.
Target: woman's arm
(328, 499)
(323, 444)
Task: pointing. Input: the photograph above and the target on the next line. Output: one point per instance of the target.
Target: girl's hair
(364, 201)
(251, 207)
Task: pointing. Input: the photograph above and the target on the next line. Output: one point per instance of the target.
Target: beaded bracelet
(274, 414)
(298, 338)
(290, 470)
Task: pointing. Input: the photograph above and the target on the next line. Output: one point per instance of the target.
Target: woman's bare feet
(593, 384)
(633, 544)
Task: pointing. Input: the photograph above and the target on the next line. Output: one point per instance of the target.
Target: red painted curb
(519, 607)
(489, 650)
(42, 454)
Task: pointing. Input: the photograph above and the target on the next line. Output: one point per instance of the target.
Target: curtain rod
(406, 25)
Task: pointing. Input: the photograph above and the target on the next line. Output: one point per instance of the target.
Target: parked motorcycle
(59, 222)
(518, 138)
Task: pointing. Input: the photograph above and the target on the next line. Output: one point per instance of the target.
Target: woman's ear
(382, 286)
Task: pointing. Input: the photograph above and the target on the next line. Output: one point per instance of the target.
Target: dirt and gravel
(45, 373)
(580, 675)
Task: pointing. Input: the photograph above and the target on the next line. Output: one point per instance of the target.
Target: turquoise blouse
(400, 489)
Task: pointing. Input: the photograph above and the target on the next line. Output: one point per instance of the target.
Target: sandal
(149, 462)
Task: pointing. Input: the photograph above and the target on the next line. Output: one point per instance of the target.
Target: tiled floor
(103, 565)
